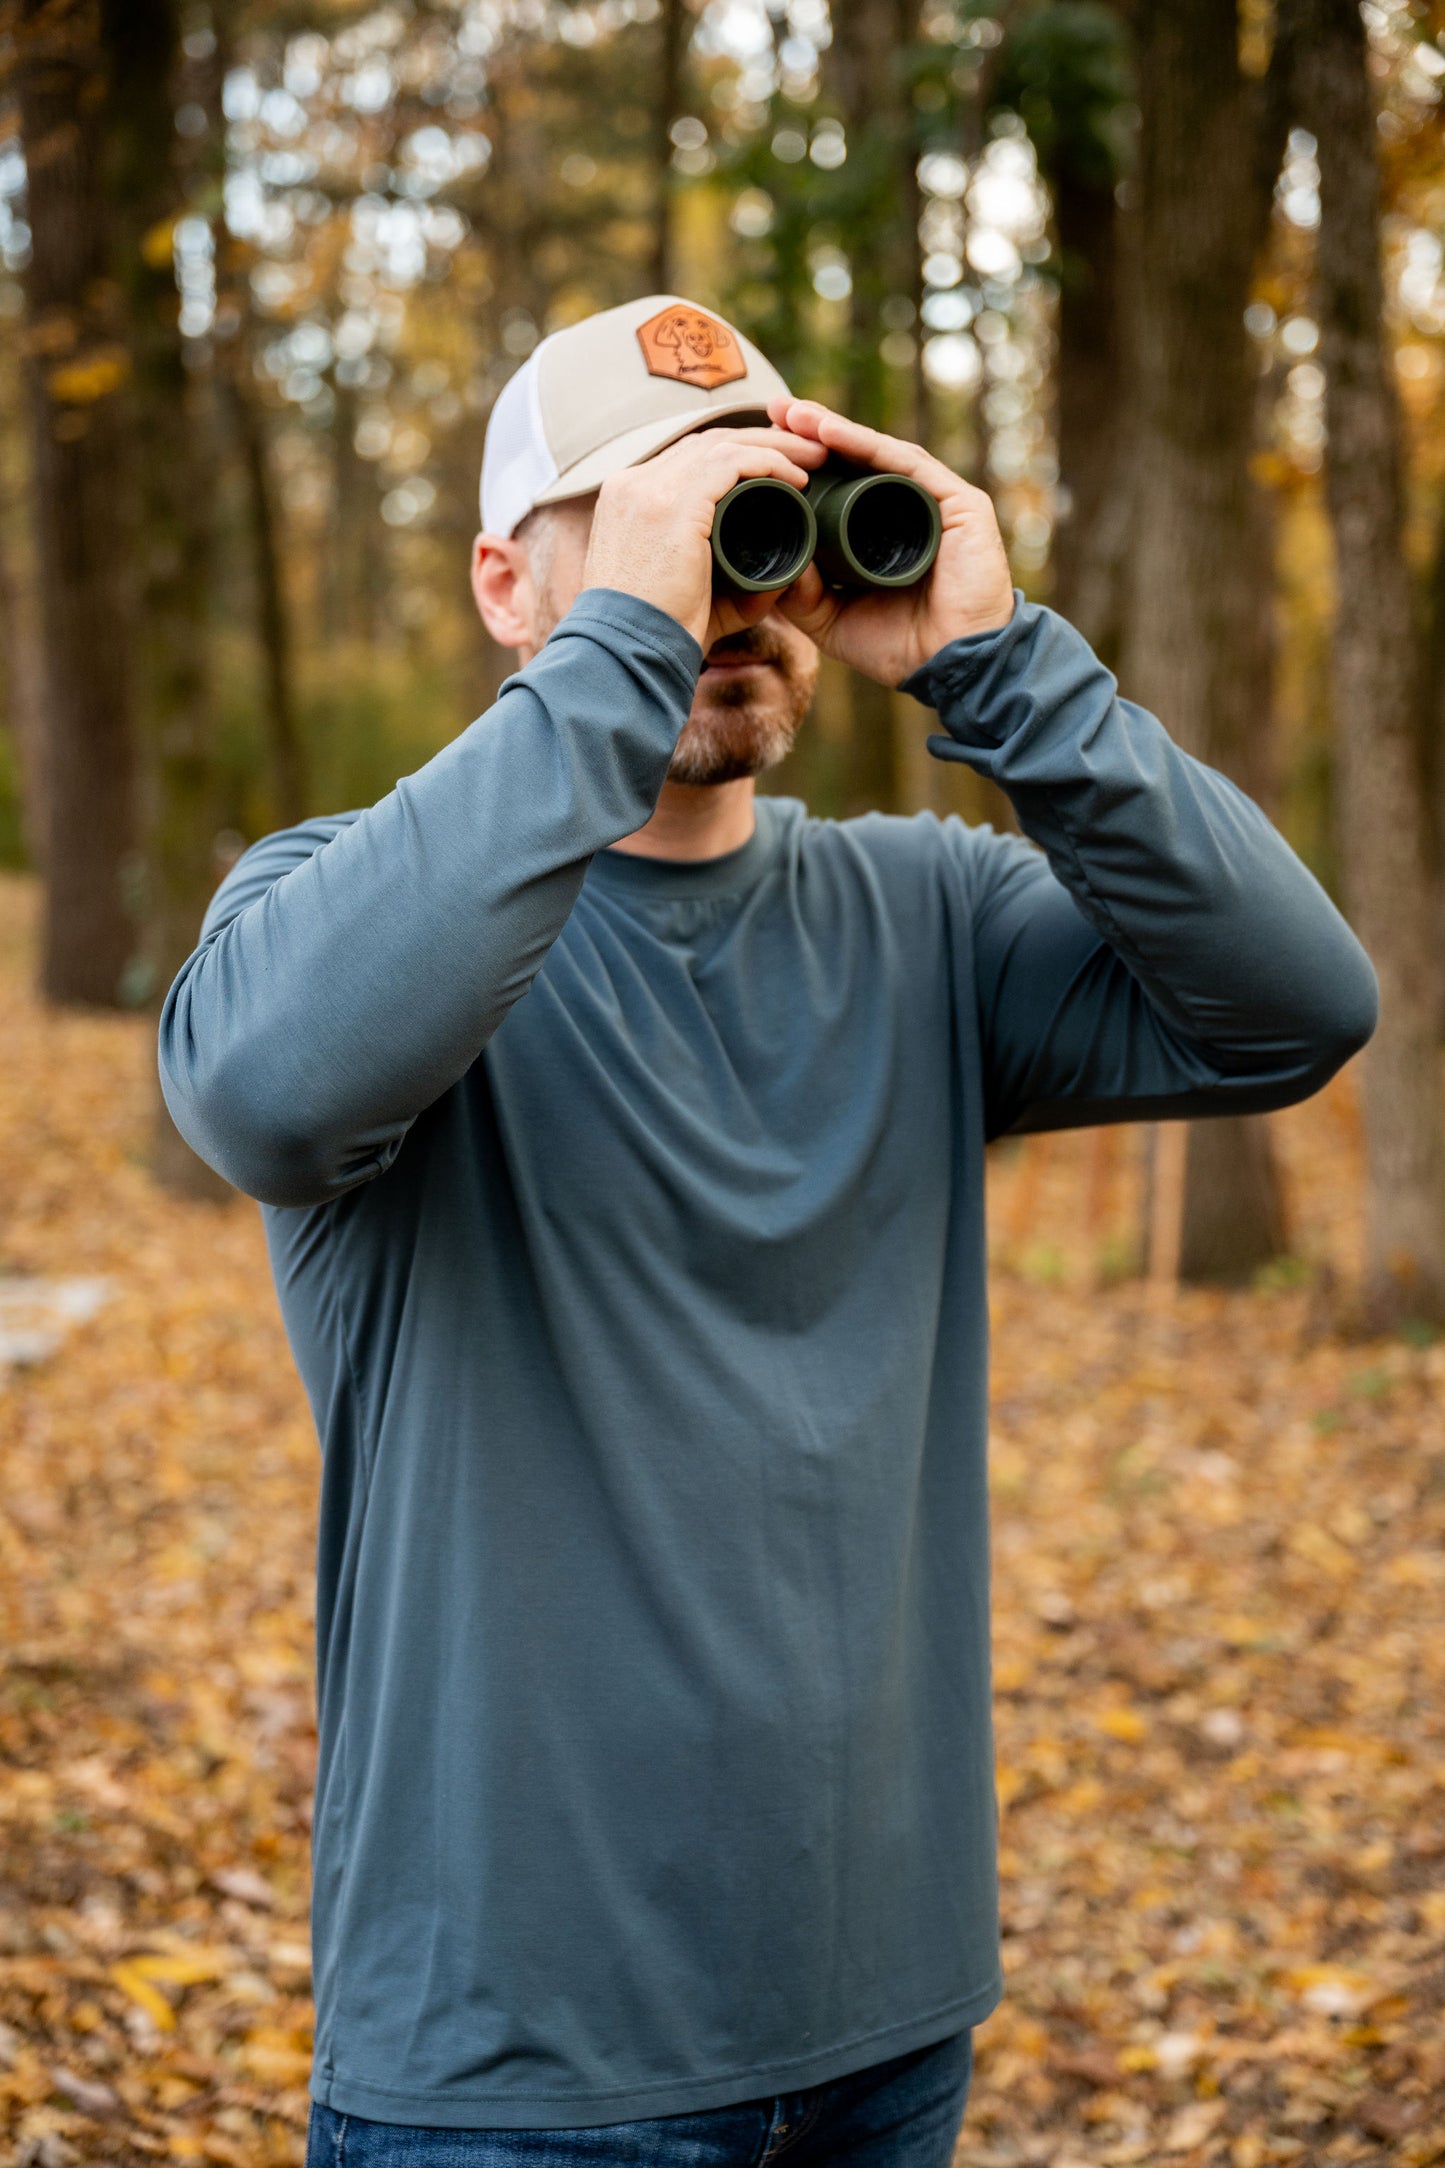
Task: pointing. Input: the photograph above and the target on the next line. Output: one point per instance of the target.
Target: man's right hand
(651, 532)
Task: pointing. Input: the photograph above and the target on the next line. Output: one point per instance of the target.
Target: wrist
(985, 618)
(960, 655)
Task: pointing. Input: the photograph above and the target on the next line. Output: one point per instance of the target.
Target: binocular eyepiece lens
(763, 535)
(874, 530)
(865, 530)
(890, 534)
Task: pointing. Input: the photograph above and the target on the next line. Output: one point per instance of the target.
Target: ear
(503, 591)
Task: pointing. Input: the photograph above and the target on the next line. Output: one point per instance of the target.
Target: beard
(742, 722)
(745, 721)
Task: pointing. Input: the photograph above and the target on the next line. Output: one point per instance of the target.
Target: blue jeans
(900, 2114)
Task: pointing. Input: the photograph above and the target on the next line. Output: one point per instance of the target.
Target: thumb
(736, 613)
(808, 604)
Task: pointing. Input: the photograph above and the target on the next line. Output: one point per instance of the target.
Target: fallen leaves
(156, 1531)
(1220, 1668)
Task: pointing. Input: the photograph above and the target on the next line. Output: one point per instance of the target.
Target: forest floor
(1220, 1627)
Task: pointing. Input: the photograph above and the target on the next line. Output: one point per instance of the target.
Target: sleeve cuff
(945, 681)
(619, 620)
(995, 689)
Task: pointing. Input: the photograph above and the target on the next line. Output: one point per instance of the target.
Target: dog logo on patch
(692, 347)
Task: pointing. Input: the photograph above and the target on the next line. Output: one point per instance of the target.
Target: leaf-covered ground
(1220, 1615)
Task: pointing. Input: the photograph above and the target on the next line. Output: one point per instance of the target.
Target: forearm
(311, 1028)
(1230, 938)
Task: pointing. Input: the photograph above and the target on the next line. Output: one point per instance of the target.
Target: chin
(730, 746)
(732, 734)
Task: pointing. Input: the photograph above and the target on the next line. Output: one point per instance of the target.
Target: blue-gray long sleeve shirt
(628, 1223)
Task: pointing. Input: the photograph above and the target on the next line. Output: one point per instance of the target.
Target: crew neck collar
(626, 870)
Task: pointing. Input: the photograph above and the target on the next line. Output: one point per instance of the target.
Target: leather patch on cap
(692, 347)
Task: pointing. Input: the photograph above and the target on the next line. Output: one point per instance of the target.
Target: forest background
(1166, 278)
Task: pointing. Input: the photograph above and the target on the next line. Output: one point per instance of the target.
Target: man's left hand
(889, 632)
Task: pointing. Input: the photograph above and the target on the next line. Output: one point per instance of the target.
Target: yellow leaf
(1150, 1894)
(158, 243)
(1331, 1990)
(276, 2057)
(1320, 1548)
(183, 1969)
(145, 1996)
(1416, 1569)
(81, 383)
(1126, 1724)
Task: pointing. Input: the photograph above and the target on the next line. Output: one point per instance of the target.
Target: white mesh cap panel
(516, 464)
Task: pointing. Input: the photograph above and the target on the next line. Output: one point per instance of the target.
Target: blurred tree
(151, 168)
(1198, 644)
(1379, 804)
(868, 72)
(77, 367)
(1431, 721)
(674, 24)
(287, 777)
(20, 651)
(1067, 70)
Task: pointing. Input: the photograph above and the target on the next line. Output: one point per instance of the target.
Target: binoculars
(863, 529)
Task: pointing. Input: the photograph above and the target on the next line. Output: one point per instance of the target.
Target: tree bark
(1091, 540)
(20, 636)
(171, 488)
(673, 26)
(866, 80)
(1197, 646)
(1066, 70)
(1431, 725)
(288, 779)
(76, 366)
(1383, 835)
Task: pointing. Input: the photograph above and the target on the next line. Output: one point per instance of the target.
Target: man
(621, 1141)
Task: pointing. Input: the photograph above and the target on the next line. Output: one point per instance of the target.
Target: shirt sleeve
(350, 971)
(1167, 954)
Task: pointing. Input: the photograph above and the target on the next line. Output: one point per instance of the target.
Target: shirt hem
(572, 2111)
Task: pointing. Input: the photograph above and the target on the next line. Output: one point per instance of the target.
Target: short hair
(538, 531)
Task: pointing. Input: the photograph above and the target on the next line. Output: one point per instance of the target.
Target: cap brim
(634, 445)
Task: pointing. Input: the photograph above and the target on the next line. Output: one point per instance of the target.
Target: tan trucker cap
(609, 392)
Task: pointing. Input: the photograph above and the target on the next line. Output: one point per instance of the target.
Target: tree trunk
(1380, 800)
(76, 368)
(1431, 724)
(288, 779)
(1197, 645)
(20, 638)
(1067, 71)
(673, 26)
(866, 78)
(171, 491)
(1091, 539)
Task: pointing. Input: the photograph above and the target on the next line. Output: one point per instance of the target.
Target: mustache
(756, 643)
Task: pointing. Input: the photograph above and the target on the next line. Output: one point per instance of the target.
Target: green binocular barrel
(865, 529)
